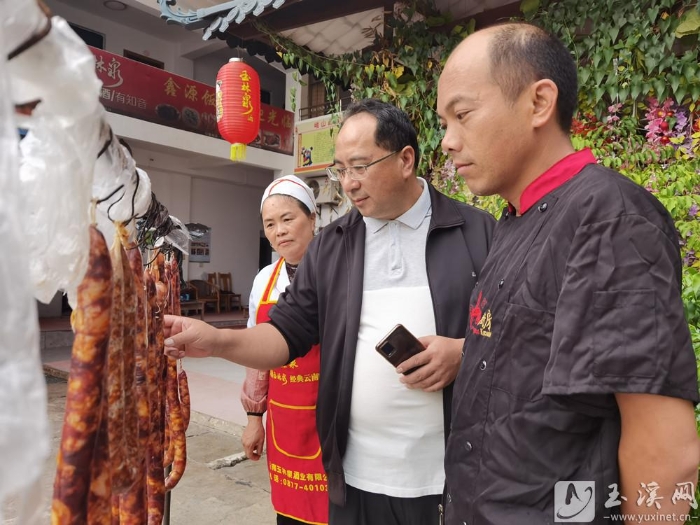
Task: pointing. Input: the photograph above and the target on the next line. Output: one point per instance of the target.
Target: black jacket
(323, 305)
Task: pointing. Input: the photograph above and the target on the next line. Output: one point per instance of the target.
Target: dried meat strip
(115, 376)
(183, 386)
(132, 505)
(184, 390)
(169, 444)
(100, 495)
(167, 281)
(84, 396)
(177, 436)
(131, 423)
(156, 476)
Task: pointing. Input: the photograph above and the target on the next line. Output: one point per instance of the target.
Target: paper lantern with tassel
(238, 105)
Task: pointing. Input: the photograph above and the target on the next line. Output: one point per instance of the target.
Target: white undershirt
(396, 435)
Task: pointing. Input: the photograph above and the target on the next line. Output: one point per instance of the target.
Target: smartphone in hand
(398, 345)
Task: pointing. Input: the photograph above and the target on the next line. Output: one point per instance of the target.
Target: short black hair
(523, 53)
(394, 129)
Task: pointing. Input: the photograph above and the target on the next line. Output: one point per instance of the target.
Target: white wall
(233, 213)
(173, 190)
(121, 36)
(206, 68)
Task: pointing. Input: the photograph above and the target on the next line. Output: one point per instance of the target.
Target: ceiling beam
(497, 14)
(302, 14)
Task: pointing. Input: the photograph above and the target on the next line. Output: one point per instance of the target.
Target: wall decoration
(200, 247)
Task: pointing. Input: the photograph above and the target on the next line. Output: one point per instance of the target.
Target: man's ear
(544, 96)
(408, 157)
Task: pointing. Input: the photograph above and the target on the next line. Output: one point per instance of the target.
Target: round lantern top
(235, 59)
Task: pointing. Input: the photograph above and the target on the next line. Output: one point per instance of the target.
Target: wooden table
(196, 306)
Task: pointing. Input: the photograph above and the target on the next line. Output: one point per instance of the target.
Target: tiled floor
(215, 384)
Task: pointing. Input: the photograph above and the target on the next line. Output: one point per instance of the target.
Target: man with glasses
(406, 254)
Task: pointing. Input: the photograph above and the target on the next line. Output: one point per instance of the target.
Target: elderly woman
(288, 394)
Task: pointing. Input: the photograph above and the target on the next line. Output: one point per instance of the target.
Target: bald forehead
(467, 72)
(471, 57)
(475, 45)
(480, 42)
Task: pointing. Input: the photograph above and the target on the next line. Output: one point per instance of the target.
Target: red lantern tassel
(238, 152)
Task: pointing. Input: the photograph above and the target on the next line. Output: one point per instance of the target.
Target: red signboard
(137, 90)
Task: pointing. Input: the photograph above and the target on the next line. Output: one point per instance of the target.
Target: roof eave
(213, 17)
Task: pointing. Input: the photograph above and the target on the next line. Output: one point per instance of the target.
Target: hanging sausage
(91, 322)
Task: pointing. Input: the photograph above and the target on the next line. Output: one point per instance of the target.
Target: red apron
(297, 479)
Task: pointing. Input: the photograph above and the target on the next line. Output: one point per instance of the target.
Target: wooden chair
(228, 297)
(190, 303)
(206, 293)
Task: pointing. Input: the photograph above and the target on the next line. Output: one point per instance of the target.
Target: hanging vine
(627, 51)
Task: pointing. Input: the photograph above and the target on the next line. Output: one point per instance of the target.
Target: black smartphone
(398, 345)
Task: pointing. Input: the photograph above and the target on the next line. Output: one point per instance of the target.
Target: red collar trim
(554, 177)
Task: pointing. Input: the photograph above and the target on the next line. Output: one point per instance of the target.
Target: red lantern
(238, 105)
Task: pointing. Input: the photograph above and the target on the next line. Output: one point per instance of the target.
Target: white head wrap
(292, 186)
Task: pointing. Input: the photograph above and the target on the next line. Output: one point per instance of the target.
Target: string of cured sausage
(177, 421)
(155, 477)
(132, 504)
(115, 376)
(131, 423)
(169, 449)
(91, 322)
(110, 466)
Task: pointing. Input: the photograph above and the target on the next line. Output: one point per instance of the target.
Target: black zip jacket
(323, 304)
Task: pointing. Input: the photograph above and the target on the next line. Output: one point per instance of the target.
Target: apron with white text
(297, 479)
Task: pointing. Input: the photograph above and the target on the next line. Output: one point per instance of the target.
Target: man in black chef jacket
(574, 401)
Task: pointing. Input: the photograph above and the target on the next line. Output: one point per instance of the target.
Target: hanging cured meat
(177, 428)
(156, 475)
(113, 447)
(131, 430)
(91, 320)
(132, 504)
(115, 376)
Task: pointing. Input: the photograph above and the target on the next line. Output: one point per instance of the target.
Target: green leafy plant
(628, 51)
(293, 91)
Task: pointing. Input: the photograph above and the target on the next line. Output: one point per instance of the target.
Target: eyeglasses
(354, 172)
